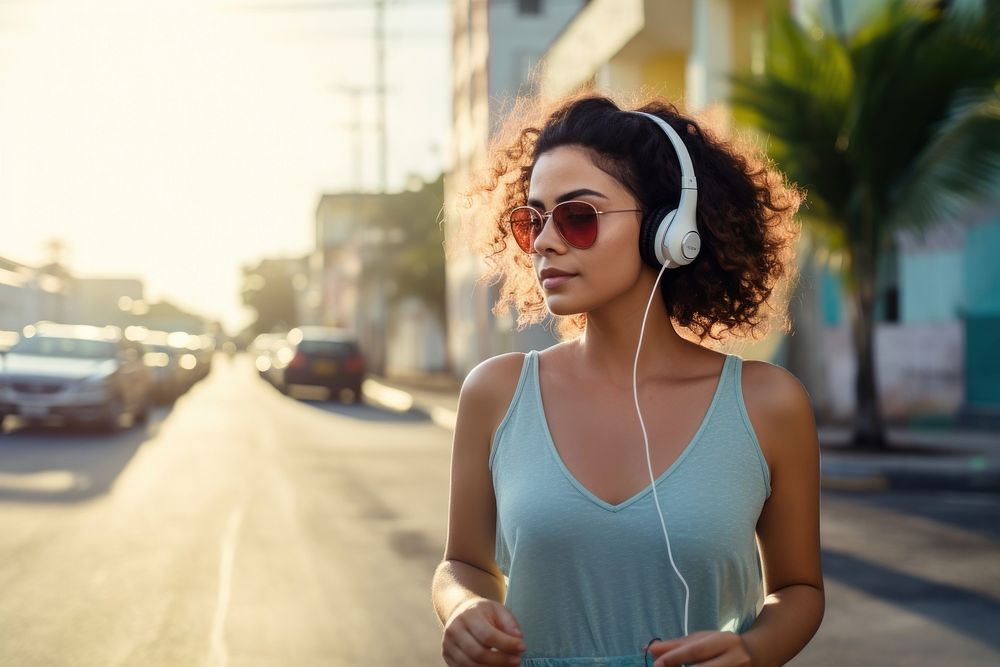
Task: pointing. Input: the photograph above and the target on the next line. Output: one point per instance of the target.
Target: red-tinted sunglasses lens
(525, 225)
(575, 221)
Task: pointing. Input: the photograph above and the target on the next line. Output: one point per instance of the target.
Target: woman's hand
(705, 649)
(482, 633)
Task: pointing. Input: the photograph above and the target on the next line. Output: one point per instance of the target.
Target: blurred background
(231, 340)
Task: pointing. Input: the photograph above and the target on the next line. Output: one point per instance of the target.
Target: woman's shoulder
(490, 385)
(772, 389)
(779, 408)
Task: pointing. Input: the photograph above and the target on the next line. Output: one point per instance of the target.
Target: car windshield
(80, 348)
(326, 348)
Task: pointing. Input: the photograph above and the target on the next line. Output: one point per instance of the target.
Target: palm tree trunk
(869, 429)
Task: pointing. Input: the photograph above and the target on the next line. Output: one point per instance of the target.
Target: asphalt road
(245, 528)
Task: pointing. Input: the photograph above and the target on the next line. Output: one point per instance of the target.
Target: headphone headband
(669, 236)
(688, 181)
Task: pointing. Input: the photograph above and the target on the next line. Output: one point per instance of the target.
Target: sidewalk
(920, 459)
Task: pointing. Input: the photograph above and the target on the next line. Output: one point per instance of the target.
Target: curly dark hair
(745, 215)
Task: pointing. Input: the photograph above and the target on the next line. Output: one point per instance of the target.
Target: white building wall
(416, 343)
(710, 59)
(518, 41)
(919, 370)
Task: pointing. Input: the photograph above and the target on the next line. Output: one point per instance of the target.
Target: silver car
(77, 374)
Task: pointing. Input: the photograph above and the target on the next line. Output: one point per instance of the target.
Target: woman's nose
(548, 237)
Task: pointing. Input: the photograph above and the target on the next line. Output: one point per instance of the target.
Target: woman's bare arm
(788, 528)
(469, 570)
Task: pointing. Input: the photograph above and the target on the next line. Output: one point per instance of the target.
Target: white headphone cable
(645, 438)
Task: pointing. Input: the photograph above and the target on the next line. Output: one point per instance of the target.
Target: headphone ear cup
(651, 224)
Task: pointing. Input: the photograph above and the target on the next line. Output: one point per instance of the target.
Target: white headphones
(669, 236)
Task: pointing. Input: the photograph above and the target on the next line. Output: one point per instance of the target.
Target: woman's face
(605, 270)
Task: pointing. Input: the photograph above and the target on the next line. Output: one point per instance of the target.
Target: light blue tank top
(591, 583)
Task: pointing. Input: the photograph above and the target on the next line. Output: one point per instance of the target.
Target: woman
(561, 550)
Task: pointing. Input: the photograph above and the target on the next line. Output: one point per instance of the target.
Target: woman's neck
(609, 341)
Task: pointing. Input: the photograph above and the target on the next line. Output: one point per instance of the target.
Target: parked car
(8, 339)
(170, 380)
(277, 357)
(203, 348)
(194, 362)
(320, 357)
(77, 374)
(260, 351)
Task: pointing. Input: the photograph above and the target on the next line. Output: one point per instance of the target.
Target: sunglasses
(576, 222)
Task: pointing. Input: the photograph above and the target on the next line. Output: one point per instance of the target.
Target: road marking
(401, 401)
(219, 654)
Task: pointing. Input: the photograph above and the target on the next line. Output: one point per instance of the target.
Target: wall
(918, 370)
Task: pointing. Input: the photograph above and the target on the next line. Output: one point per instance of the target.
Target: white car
(76, 374)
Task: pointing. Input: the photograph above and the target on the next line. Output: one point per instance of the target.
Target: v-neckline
(587, 493)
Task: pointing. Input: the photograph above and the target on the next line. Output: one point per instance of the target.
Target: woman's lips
(555, 281)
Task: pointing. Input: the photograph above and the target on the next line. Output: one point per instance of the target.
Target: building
(277, 288)
(378, 272)
(335, 265)
(497, 47)
(681, 49)
(101, 301)
(28, 295)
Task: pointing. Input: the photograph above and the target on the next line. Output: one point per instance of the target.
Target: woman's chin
(561, 306)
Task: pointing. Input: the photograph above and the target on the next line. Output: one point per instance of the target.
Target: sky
(178, 140)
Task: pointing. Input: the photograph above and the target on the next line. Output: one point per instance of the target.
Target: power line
(327, 5)
(379, 7)
(324, 5)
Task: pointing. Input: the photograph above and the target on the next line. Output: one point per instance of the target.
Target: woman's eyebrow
(573, 194)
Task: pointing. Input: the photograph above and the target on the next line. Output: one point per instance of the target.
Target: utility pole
(356, 129)
(380, 93)
(378, 305)
(379, 7)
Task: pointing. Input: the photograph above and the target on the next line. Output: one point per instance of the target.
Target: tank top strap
(732, 383)
(733, 411)
(521, 401)
(729, 380)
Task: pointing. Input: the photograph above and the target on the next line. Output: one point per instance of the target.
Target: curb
(855, 483)
(400, 400)
(859, 478)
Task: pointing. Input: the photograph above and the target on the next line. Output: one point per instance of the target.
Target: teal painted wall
(982, 319)
(831, 297)
(982, 269)
(931, 286)
(982, 361)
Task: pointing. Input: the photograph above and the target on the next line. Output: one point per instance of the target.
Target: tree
(896, 126)
(411, 255)
(268, 288)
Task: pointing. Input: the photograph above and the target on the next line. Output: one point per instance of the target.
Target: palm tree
(896, 126)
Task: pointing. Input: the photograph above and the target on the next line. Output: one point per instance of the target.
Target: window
(533, 7)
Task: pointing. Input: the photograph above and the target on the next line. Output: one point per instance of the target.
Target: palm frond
(893, 126)
(958, 168)
(797, 103)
